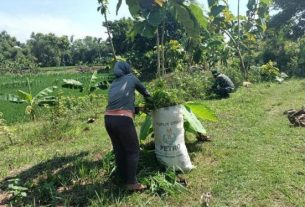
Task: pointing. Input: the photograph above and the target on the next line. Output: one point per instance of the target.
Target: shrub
(233, 71)
(269, 72)
(254, 74)
(175, 54)
(191, 85)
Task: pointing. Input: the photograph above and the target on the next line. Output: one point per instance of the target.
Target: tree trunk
(163, 48)
(109, 35)
(242, 63)
(238, 21)
(158, 54)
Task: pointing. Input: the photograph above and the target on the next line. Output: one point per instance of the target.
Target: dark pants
(224, 92)
(125, 146)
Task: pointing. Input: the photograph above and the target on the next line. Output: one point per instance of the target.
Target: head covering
(215, 72)
(121, 69)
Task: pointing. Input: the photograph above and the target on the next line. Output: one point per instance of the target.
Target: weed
(4, 130)
(109, 163)
(17, 190)
(164, 183)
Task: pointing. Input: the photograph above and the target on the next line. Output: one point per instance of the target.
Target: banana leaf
(198, 14)
(118, 6)
(45, 92)
(102, 85)
(47, 100)
(93, 79)
(191, 123)
(71, 83)
(201, 111)
(11, 98)
(146, 128)
(25, 96)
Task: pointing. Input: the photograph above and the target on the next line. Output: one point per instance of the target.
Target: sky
(64, 17)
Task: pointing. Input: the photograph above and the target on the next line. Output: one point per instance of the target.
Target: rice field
(10, 84)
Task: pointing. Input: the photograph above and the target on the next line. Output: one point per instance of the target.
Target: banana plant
(92, 85)
(191, 112)
(42, 98)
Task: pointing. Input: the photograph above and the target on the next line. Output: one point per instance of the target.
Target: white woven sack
(170, 146)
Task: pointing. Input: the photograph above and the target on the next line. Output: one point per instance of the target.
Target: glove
(137, 110)
(149, 99)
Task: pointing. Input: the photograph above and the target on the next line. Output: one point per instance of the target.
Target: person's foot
(202, 138)
(136, 187)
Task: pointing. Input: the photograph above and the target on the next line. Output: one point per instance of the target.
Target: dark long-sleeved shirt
(224, 81)
(121, 94)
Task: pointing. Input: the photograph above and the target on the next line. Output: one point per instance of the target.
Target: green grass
(11, 83)
(254, 159)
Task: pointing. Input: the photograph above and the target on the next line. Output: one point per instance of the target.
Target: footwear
(136, 187)
(202, 138)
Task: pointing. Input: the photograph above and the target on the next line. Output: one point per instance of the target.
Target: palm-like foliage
(93, 84)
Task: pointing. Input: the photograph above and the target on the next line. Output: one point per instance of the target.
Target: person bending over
(119, 124)
(223, 85)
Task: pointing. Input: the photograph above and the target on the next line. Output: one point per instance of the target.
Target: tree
(154, 14)
(292, 16)
(103, 8)
(49, 49)
(14, 56)
(89, 50)
(242, 30)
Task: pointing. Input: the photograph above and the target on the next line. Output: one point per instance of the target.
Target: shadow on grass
(195, 146)
(67, 180)
(74, 180)
(49, 165)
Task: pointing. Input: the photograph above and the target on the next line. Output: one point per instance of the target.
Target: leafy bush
(192, 85)
(289, 55)
(175, 55)
(269, 72)
(184, 85)
(165, 96)
(161, 96)
(233, 71)
(20, 65)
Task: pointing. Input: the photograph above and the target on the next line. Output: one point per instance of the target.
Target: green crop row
(10, 84)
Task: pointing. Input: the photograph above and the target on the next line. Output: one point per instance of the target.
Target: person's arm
(220, 82)
(141, 88)
(215, 84)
